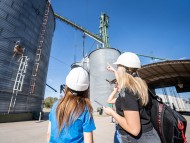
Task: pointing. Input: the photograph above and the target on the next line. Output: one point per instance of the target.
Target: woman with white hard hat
(132, 116)
(70, 119)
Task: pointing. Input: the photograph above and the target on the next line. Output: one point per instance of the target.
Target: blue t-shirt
(73, 133)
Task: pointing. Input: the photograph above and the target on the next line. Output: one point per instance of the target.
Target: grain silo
(100, 88)
(26, 31)
(83, 63)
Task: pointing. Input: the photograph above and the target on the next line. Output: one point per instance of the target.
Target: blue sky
(159, 28)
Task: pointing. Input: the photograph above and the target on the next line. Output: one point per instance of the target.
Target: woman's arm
(88, 137)
(48, 132)
(110, 68)
(130, 122)
(111, 99)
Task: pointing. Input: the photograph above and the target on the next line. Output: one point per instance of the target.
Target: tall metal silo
(100, 88)
(26, 31)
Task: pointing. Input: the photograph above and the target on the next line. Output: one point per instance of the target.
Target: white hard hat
(129, 59)
(77, 79)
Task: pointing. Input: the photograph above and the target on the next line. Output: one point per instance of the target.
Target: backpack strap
(154, 96)
(160, 109)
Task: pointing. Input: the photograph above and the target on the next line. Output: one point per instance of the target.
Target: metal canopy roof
(169, 73)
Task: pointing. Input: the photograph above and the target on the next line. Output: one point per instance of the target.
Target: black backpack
(169, 124)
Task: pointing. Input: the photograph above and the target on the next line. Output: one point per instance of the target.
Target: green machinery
(103, 29)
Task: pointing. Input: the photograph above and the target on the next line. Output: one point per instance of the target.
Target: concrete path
(35, 132)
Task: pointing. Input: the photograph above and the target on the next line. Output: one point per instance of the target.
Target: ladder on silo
(18, 84)
(39, 49)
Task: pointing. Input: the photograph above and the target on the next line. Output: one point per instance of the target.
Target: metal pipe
(95, 39)
(152, 57)
(80, 28)
(51, 87)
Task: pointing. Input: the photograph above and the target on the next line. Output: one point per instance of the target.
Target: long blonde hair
(71, 107)
(133, 84)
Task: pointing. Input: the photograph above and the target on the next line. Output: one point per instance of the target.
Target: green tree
(49, 101)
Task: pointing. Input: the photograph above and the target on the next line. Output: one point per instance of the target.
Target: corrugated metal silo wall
(100, 89)
(22, 20)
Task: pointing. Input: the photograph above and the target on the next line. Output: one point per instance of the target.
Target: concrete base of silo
(15, 117)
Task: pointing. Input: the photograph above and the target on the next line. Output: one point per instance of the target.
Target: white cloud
(183, 58)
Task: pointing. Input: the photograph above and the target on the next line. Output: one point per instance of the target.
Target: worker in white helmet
(71, 119)
(132, 117)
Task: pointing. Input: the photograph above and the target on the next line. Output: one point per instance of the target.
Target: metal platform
(169, 73)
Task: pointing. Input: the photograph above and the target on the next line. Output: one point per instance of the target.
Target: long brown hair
(134, 84)
(72, 106)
